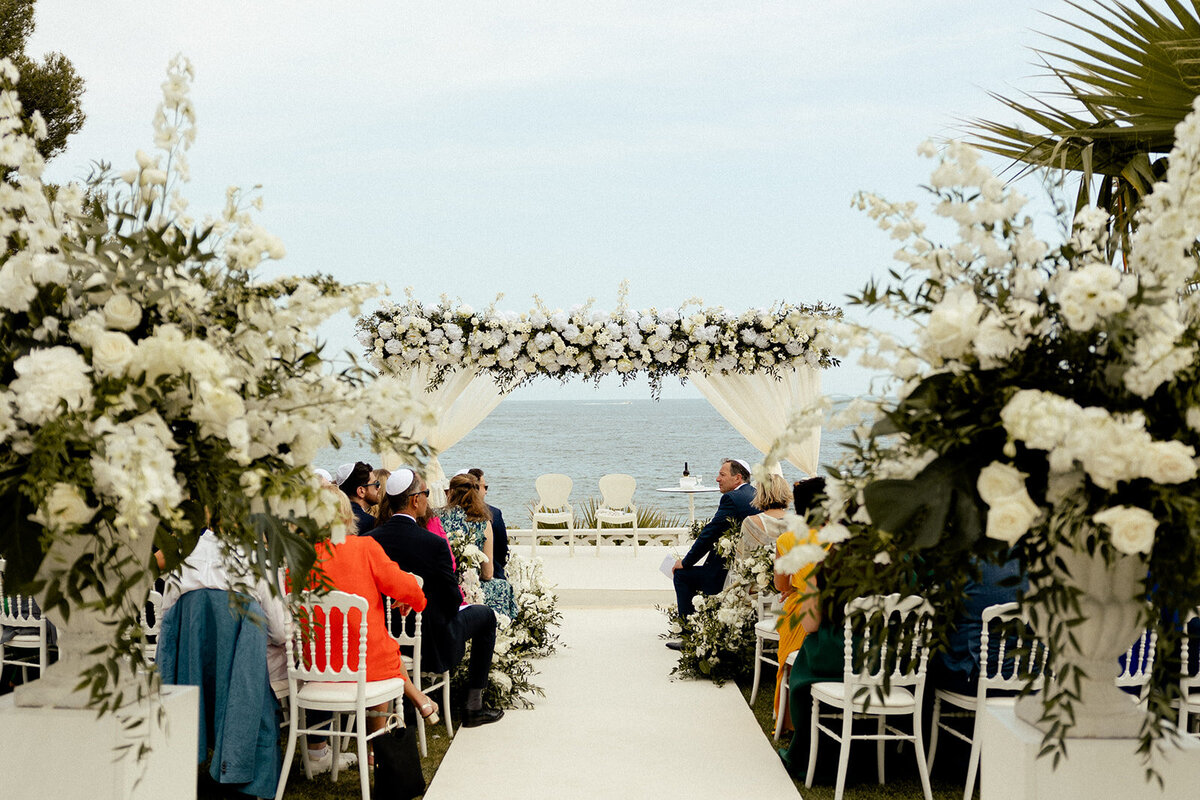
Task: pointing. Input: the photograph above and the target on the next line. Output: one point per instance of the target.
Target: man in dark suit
(499, 531)
(355, 480)
(708, 578)
(445, 627)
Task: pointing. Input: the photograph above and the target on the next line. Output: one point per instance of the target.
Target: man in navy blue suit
(499, 530)
(445, 626)
(693, 578)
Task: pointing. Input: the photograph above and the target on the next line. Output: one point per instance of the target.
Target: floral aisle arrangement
(515, 347)
(520, 639)
(537, 607)
(150, 385)
(718, 638)
(1050, 404)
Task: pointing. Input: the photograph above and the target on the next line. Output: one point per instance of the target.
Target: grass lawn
(948, 779)
(321, 787)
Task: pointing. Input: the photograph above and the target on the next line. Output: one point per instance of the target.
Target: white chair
(616, 506)
(21, 612)
(765, 635)
(1139, 663)
(412, 641)
(901, 657)
(1009, 656)
(554, 506)
(1189, 678)
(345, 690)
(152, 608)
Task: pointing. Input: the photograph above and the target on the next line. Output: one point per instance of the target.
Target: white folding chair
(554, 506)
(31, 638)
(344, 690)
(152, 609)
(1189, 676)
(901, 656)
(1009, 656)
(616, 506)
(412, 641)
(765, 635)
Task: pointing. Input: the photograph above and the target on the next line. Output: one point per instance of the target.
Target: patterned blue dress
(497, 593)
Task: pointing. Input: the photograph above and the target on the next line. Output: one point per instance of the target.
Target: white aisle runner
(614, 724)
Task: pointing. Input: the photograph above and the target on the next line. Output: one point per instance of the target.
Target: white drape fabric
(459, 404)
(759, 405)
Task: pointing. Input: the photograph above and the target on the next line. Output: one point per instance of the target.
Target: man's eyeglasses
(423, 491)
(374, 483)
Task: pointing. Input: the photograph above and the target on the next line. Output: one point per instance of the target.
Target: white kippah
(461, 472)
(400, 480)
(323, 474)
(745, 466)
(343, 472)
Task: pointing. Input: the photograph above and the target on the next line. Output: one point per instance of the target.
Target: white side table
(691, 492)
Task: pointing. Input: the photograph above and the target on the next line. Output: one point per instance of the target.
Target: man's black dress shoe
(675, 644)
(473, 719)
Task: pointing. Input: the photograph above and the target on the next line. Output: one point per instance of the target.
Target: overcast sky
(697, 149)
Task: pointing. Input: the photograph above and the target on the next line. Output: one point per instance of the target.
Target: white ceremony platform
(614, 723)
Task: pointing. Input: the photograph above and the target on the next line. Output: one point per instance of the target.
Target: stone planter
(83, 639)
(1111, 602)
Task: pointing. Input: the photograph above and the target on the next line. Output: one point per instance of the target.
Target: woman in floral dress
(467, 515)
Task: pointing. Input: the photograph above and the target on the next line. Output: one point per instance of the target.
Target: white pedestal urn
(1111, 603)
(84, 637)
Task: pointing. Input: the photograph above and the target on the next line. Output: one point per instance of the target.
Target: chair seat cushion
(612, 515)
(956, 698)
(328, 693)
(765, 629)
(24, 640)
(553, 517)
(898, 700)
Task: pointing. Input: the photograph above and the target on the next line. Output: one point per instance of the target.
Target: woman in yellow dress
(793, 589)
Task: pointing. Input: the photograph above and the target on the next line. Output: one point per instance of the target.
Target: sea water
(586, 439)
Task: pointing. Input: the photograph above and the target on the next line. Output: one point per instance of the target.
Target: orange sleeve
(391, 580)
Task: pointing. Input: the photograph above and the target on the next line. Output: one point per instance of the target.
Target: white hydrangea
(50, 381)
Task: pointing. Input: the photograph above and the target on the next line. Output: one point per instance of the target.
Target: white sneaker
(324, 763)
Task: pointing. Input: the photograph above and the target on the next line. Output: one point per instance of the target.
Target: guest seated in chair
(356, 482)
(215, 635)
(358, 565)
(956, 669)
(499, 529)
(771, 499)
(445, 627)
(792, 588)
(466, 515)
(819, 658)
(692, 577)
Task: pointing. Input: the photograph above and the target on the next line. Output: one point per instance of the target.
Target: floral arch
(757, 368)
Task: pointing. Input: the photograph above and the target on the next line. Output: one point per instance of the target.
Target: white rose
(122, 313)
(999, 481)
(111, 353)
(1130, 529)
(1010, 518)
(1169, 462)
(953, 322)
(64, 507)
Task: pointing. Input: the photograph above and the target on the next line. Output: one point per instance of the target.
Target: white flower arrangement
(1048, 401)
(151, 380)
(591, 344)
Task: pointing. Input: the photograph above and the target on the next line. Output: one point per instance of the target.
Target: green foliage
(51, 86)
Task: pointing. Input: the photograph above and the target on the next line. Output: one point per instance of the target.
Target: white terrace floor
(614, 723)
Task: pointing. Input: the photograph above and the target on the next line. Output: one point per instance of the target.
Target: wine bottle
(685, 470)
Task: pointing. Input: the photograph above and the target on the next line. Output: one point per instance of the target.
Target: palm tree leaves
(1125, 87)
